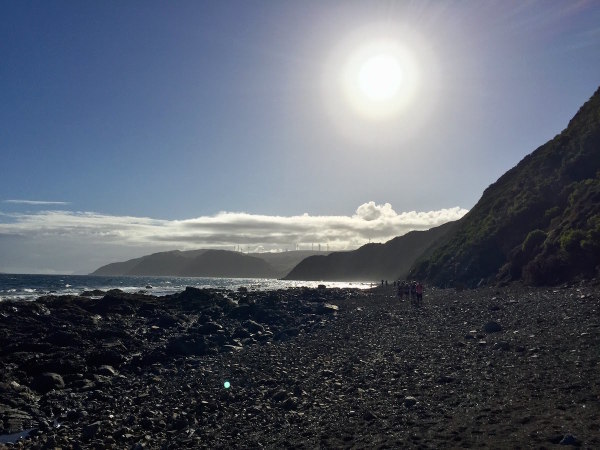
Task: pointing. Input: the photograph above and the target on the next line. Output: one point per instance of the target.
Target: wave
(30, 287)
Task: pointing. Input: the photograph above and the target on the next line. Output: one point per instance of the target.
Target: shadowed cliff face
(372, 261)
(539, 222)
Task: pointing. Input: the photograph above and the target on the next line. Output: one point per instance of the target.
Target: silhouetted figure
(413, 292)
(419, 291)
(381, 283)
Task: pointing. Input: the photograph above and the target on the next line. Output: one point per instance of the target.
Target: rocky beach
(514, 367)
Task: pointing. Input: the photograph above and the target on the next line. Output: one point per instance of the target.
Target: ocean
(30, 287)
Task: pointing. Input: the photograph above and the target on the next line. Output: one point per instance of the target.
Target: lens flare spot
(227, 384)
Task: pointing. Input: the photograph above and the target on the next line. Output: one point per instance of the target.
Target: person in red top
(419, 290)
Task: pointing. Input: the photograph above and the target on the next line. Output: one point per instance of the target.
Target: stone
(288, 333)
(47, 382)
(492, 327)
(241, 333)
(107, 356)
(14, 420)
(569, 439)
(186, 345)
(64, 339)
(502, 345)
(230, 348)
(74, 415)
(209, 328)
(253, 327)
(91, 430)
(369, 415)
(445, 379)
(410, 401)
(242, 311)
(280, 395)
(326, 308)
(106, 370)
(326, 373)
(166, 321)
(93, 293)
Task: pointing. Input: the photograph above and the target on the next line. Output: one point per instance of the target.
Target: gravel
(307, 368)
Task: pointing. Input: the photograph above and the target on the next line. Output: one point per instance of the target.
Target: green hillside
(539, 222)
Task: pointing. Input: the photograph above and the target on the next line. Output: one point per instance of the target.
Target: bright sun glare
(380, 79)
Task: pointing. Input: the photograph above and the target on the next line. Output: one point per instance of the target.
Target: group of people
(412, 290)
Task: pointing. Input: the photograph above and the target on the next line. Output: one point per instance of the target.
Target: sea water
(30, 287)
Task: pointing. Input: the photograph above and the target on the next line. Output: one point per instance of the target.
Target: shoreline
(31, 287)
(307, 368)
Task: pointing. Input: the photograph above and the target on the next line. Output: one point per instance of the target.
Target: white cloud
(371, 222)
(34, 202)
(371, 211)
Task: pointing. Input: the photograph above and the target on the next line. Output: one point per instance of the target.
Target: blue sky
(170, 112)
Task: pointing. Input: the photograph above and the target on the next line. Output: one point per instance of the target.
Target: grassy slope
(540, 221)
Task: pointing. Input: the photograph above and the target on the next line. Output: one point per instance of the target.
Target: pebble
(492, 327)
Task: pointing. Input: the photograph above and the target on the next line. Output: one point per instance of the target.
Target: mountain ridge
(207, 263)
(539, 222)
(390, 260)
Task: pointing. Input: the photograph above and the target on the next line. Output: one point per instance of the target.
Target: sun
(380, 77)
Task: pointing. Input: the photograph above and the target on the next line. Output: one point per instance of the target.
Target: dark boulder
(326, 308)
(47, 382)
(93, 293)
(569, 439)
(106, 370)
(410, 401)
(91, 430)
(186, 345)
(208, 328)
(106, 356)
(167, 321)
(114, 304)
(240, 312)
(253, 327)
(64, 339)
(286, 334)
(241, 333)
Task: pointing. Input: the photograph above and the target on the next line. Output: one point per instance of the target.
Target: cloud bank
(228, 230)
(371, 222)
